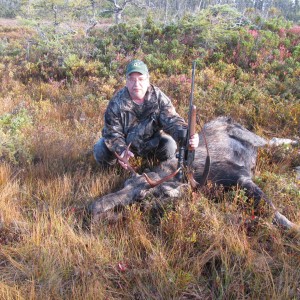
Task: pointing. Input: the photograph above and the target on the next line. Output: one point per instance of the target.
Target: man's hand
(126, 154)
(194, 141)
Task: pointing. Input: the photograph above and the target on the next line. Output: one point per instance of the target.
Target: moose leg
(257, 194)
(253, 191)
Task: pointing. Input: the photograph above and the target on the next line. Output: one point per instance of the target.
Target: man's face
(137, 85)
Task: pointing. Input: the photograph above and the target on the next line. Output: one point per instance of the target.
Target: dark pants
(166, 149)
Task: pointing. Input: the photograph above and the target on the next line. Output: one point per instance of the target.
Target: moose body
(233, 152)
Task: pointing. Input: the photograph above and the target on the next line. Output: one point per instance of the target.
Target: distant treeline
(164, 10)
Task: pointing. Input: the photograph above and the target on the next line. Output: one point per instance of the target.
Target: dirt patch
(75, 25)
(9, 22)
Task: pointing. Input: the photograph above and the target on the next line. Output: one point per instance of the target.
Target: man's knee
(102, 154)
(167, 148)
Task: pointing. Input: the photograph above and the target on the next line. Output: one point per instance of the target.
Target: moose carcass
(233, 153)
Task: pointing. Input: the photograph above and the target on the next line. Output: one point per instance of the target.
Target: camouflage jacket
(127, 122)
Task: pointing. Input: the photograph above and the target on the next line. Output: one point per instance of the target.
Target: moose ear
(245, 135)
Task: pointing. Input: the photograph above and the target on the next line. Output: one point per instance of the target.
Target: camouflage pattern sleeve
(113, 129)
(169, 119)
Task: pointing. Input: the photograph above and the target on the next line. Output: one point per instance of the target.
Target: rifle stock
(192, 125)
(190, 151)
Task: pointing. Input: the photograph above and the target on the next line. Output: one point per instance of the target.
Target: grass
(200, 249)
(204, 246)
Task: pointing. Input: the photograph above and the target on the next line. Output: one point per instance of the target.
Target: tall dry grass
(204, 246)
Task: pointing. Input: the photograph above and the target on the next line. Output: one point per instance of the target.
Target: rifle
(186, 153)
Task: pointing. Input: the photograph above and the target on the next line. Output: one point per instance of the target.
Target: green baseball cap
(137, 66)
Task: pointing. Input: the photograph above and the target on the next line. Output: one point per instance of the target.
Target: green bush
(13, 127)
